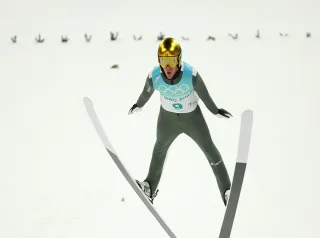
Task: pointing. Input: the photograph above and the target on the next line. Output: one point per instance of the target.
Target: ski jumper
(180, 113)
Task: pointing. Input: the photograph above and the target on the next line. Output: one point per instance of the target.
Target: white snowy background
(57, 180)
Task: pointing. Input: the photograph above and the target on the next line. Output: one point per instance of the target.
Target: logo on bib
(174, 90)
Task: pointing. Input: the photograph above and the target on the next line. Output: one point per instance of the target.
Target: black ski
(95, 120)
(239, 172)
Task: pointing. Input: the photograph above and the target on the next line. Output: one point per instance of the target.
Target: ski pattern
(239, 172)
(95, 120)
(238, 177)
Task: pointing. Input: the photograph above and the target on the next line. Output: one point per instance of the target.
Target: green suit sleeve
(147, 92)
(202, 91)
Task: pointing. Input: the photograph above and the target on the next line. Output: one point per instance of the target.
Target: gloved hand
(134, 109)
(223, 113)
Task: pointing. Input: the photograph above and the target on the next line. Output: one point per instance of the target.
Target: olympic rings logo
(174, 90)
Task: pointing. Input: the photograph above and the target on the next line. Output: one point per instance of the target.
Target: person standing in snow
(180, 87)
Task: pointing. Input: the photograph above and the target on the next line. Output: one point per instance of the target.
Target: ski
(239, 172)
(99, 129)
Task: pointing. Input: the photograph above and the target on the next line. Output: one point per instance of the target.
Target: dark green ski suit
(170, 125)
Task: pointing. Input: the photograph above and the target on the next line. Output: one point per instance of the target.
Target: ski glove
(134, 109)
(223, 113)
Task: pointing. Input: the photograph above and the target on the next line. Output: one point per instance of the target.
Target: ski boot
(146, 189)
(226, 197)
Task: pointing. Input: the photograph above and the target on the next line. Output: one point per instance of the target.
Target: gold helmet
(169, 53)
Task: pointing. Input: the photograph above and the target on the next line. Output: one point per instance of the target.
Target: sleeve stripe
(194, 72)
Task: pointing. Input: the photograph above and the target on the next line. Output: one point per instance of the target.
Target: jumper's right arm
(146, 93)
(144, 96)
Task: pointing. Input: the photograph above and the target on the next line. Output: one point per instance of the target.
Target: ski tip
(247, 112)
(247, 115)
(87, 101)
(245, 136)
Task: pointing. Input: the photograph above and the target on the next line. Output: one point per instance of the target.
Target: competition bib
(178, 98)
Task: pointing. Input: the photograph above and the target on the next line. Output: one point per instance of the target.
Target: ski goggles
(171, 61)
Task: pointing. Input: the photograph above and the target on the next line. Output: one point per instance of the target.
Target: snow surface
(57, 180)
